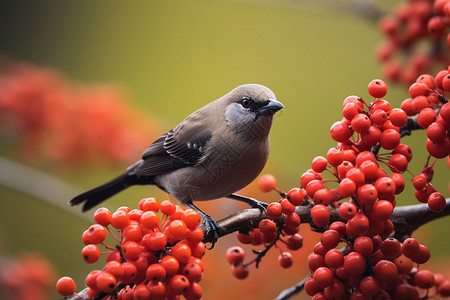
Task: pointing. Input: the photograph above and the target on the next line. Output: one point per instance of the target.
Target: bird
(214, 152)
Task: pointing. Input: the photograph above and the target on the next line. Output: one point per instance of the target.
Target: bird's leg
(250, 201)
(212, 227)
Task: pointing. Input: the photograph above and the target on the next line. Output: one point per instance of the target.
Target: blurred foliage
(171, 57)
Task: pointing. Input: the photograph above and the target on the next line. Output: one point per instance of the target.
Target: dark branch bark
(287, 293)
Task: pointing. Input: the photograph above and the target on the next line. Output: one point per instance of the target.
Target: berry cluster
(418, 30)
(49, 118)
(426, 102)
(157, 257)
(372, 261)
(281, 227)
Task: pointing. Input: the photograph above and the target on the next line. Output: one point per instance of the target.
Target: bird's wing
(180, 147)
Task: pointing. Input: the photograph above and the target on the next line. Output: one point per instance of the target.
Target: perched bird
(214, 152)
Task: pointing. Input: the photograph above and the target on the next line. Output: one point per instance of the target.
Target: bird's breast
(229, 166)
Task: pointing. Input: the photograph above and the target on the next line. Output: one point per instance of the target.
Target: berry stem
(112, 233)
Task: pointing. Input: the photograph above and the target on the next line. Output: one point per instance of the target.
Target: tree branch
(287, 293)
(406, 219)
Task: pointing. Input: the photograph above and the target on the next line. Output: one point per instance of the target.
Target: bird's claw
(212, 230)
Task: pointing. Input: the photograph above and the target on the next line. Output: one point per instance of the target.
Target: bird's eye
(246, 102)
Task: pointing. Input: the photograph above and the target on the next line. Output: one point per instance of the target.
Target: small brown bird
(214, 152)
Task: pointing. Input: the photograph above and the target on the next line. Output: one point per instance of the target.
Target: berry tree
(351, 194)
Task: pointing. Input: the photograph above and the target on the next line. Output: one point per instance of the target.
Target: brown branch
(406, 219)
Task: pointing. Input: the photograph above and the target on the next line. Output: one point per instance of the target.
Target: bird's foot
(212, 230)
(212, 227)
(262, 206)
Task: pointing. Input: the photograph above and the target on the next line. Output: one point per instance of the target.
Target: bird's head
(250, 107)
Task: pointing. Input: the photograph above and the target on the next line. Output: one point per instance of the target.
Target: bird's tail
(99, 194)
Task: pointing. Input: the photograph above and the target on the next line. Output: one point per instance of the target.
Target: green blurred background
(170, 58)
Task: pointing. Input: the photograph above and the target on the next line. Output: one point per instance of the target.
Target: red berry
(319, 164)
(436, 132)
(334, 258)
(294, 242)
(354, 264)
(360, 123)
(372, 136)
(403, 264)
(323, 196)
(423, 255)
(296, 196)
(320, 215)
(65, 286)
(287, 207)
(235, 254)
(267, 183)
(367, 194)
(340, 131)
(285, 259)
(155, 272)
(323, 277)
(378, 116)
(377, 88)
(404, 150)
(350, 110)
(347, 210)
(178, 284)
(239, 270)
(120, 219)
(292, 220)
(171, 264)
(346, 188)
(191, 218)
(274, 210)
(389, 139)
(425, 117)
(103, 216)
(418, 89)
(335, 157)
(131, 250)
(398, 117)
(385, 271)
(382, 210)
(147, 204)
(446, 82)
(330, 239)
(90, 253)
(436, 26)
(391, 247)
(106, 282)
(182, 252)
(358, 225)
(194, 292)
(310, 287)
(369, 286)
(167, 207)
(399, 182)
(363, 245)
(141, 291)
(193, 272)
(424, 279)
(438, 150)
(385, 187)
(267, 226)
(436, 202)
(178, 229)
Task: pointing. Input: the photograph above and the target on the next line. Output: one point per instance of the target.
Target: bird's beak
(270, 108)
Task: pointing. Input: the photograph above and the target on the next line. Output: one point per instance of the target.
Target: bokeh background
(159, 61)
